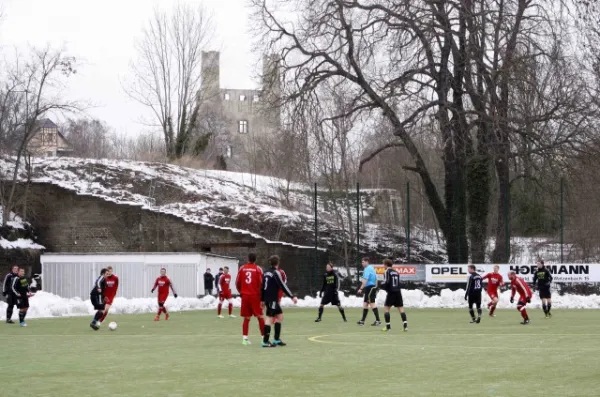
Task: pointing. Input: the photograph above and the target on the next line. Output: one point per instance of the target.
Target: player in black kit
(542, 277)
(473, 293)
(391, 284)
(11, 299)
(271, 285)
(97, 299)
(329, 292)
(20, 287)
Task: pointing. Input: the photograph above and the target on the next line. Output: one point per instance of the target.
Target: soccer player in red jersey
(225, 292)
(517, 284)
(163, 283)
(249, 285)
(110, 291)
(495, 281)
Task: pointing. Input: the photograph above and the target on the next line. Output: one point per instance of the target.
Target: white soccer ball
(112, 326)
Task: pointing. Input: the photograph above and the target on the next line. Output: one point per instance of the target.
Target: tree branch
(376, 152)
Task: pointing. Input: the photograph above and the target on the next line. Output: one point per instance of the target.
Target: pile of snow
(449, 299)
(16, 222)
(44, 304)
(21, 243)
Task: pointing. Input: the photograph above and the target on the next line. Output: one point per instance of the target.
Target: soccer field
(197, 354)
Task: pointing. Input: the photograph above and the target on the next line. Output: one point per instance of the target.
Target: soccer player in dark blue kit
(473, 293)
(97, 299)
(391, 284)
(271, 285)
(11, 299)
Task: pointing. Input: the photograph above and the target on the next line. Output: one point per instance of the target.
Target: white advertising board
(561, 273)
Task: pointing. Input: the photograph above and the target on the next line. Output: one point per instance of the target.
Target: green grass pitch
(197, 354)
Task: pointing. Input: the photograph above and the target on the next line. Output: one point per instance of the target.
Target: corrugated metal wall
(71, 275)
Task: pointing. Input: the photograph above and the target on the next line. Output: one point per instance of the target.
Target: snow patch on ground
(44, 304)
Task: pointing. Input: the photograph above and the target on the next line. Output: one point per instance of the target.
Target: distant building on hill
(241, 120)
(48, 141)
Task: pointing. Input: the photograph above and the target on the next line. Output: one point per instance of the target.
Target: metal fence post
(562, 220)
(316, 238)
(506, 226)
(357, 230)
(408, 222)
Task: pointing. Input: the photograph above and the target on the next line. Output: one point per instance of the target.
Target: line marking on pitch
(319, 339)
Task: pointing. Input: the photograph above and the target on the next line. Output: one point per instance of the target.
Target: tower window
(227, 97)
(242, 97)
(243, 126)
(229, 151)
(256, 98)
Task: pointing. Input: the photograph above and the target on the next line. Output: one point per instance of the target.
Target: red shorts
(108, 300)
(492, 295)
(251, 306)
(163, 299)
(224, 295)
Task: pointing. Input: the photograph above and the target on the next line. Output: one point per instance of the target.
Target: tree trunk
(502, 249)
(478, 199)
(457, 244)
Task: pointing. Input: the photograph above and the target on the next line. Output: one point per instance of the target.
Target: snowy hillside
(265, 207)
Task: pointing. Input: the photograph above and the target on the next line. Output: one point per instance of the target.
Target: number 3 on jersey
(248, 277)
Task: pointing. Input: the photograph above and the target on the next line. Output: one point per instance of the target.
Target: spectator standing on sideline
(209, 279)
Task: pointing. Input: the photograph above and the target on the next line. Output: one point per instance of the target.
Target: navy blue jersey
(7, 285)
(99, 286)
(272, 284)
(391, 280)
(474, 285)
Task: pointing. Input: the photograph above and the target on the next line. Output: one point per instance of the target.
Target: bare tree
(31, 89)
(90, 137)
(454, 62)
(167, 74)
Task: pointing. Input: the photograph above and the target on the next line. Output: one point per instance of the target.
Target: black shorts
(394, 299)
(11, 300)
(332, 298)
(475, 299)
(23, 302)
(370, 294)
(545, 292)
(273, 309)
(97, 302)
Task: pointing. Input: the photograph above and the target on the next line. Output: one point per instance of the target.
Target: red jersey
(519, 285)
(494, 281)
(112, 285)
(249, 280)
(284, 278)
(163, 283)
(224, 283)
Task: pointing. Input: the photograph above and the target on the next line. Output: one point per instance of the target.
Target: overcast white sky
(101, 35)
